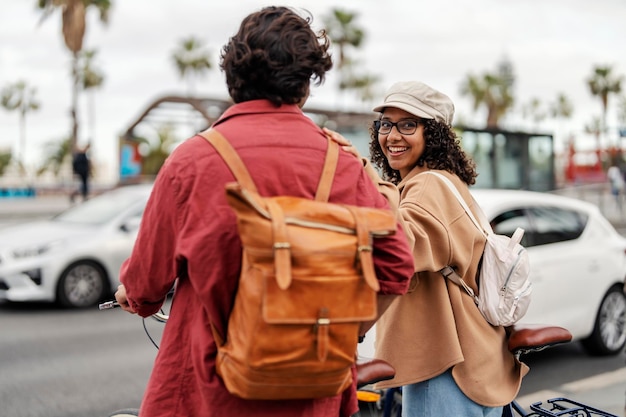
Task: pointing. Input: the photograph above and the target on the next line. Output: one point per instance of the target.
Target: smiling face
(401, 150)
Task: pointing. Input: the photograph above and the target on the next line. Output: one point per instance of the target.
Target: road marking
(538, 396)
(596, 381)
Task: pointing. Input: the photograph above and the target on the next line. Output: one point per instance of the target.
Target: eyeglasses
(404, 127)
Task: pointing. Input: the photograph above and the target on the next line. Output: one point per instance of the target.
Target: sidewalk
(19, 210)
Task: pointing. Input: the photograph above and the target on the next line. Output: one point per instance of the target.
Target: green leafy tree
(493, 91)
(74, 24)
(562, 107)
(155, 154)
(5, 161)
(602, 83)
(192, 61)
(57, 154)
(346, 35)
(534, 111)
(22, 98)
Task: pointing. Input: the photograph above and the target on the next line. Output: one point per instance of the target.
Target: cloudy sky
(553, 46)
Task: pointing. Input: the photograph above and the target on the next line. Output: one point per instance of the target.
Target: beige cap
(420, 100)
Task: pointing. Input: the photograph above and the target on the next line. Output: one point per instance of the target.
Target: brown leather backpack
(307, 282)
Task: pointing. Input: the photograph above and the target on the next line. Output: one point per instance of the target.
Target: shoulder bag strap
(448, 271)
(458, 196)
(231, 157)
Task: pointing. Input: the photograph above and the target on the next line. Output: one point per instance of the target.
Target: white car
(577, 265)
(73, 258)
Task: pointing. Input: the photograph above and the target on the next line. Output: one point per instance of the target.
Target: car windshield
(101, 209)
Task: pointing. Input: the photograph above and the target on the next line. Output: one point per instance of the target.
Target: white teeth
(397, 148)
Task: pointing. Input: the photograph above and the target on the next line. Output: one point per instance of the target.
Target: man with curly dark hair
(189, 236)
(449, 360)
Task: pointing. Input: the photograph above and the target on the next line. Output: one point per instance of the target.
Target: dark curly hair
(274, 56)
(442, 151)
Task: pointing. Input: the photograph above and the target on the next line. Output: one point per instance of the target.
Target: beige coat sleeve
(386, 188)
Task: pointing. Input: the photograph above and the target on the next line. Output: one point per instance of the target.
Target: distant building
(513, 160)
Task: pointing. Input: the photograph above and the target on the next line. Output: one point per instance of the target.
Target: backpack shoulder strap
(230, 156)
(236, 165)
(328, 172)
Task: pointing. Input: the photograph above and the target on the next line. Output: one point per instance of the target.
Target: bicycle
(522, 339)
(369, 371)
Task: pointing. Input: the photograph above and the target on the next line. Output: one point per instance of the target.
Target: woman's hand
(346, 145)
(120, 297)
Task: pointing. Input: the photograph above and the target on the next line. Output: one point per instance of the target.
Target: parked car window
(553, 224)
(506, 223)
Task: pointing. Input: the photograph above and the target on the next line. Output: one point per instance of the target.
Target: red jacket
(189, 232)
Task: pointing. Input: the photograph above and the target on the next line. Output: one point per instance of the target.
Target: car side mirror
(131, 225)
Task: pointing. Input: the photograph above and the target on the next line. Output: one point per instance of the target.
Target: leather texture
(307, 282)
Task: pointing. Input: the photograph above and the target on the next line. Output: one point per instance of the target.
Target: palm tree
(362, 84)
(90, 78)
(602, 84)
(191, 60)
(345, 33)
(22, 98)
(56, 155)
(5, 161)
(491, 90)
(562, 108)
(534, 110)
(73, 15)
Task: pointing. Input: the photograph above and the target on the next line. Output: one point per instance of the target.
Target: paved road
(122, 370)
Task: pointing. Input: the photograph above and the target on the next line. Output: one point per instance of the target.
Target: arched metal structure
(202, 112)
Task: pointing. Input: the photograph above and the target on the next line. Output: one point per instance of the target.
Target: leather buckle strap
(281, 246)
(364, 258)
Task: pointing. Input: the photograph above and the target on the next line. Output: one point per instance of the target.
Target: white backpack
(503, 279)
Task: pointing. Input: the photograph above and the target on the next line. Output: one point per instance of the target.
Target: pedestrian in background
(81, 167)
(188, 234)
(616, 182)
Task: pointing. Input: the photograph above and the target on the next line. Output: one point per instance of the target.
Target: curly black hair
(275, 55)
(442, 151)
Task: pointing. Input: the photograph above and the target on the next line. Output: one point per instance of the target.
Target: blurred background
(540, 105)
(537, 85)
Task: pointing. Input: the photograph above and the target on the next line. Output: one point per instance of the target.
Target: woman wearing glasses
(448, 359)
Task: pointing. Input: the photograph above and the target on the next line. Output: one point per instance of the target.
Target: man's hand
(120, 297)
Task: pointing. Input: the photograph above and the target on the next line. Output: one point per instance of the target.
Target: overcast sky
(553, 46)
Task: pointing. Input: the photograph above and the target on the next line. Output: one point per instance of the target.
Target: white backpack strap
(482, 226)
(450, 273)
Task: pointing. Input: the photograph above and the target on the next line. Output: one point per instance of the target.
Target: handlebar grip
(108, 305)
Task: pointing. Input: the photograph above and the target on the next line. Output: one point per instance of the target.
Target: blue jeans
(440, 396)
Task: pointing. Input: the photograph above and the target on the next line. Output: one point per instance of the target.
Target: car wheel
(609, 331)
(82, 284)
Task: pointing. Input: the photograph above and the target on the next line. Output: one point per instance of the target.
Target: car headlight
(34, 250)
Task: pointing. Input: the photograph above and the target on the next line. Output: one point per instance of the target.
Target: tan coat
(437, 325)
